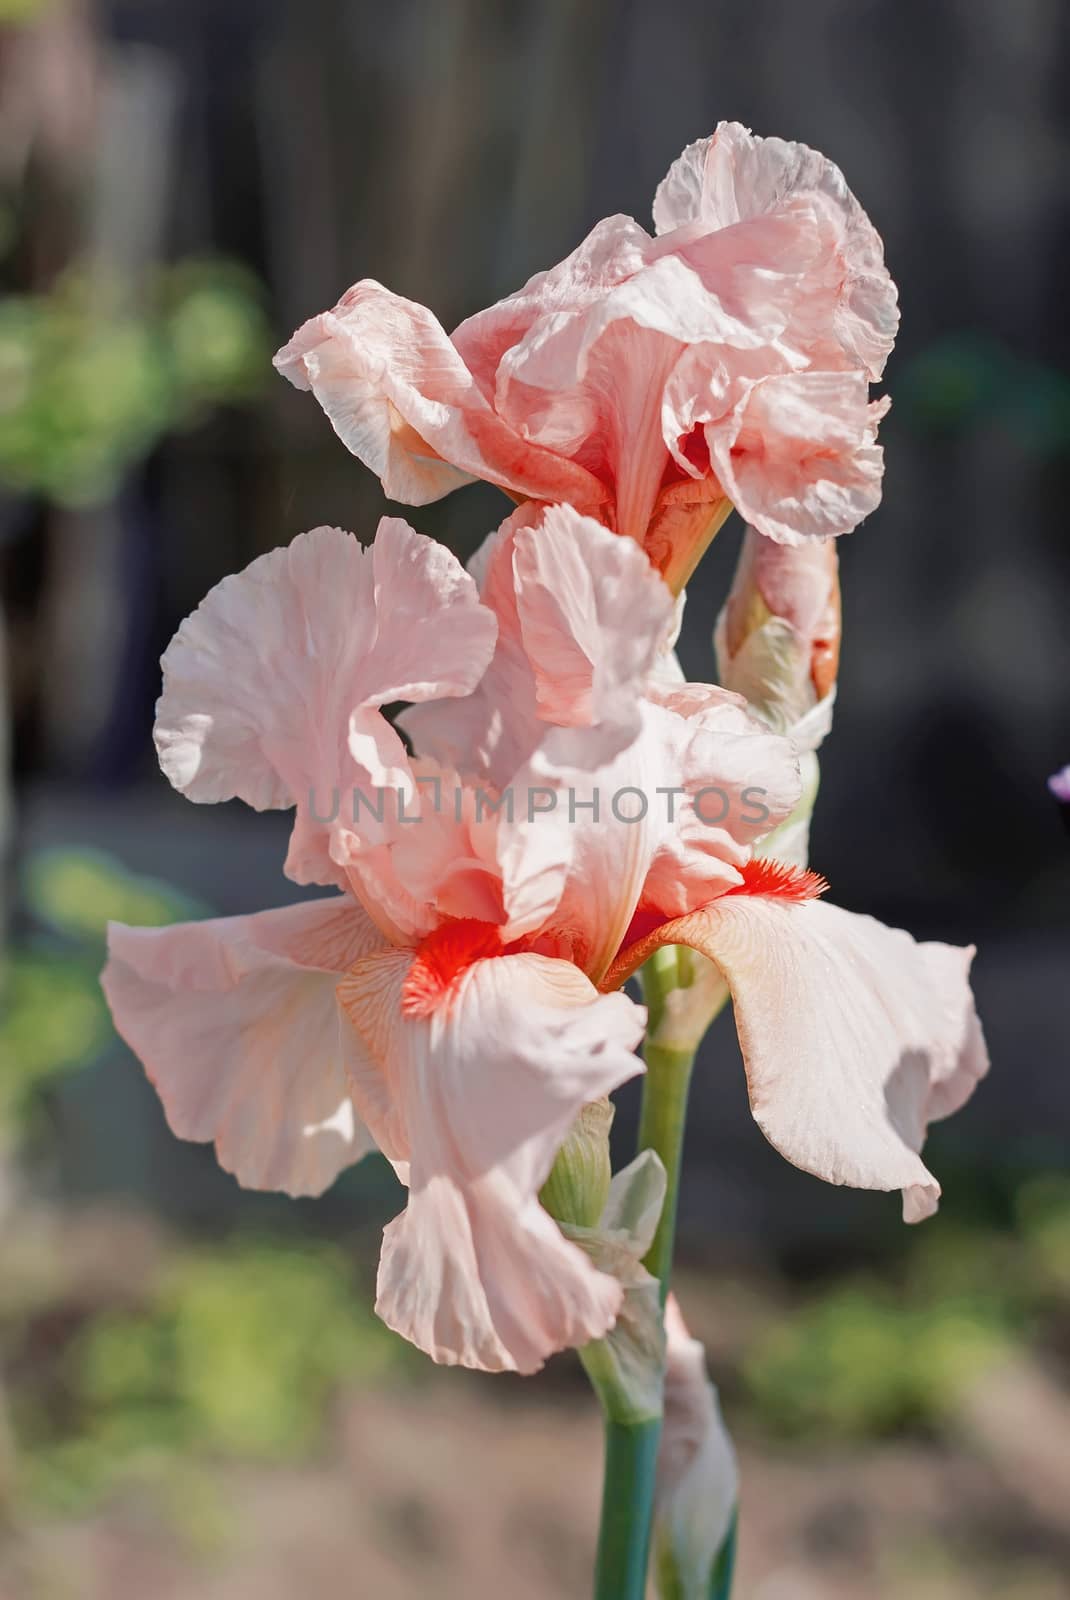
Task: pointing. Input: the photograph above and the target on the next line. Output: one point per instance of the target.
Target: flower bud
(778, 636)
(578, 1186)
(698, 1480)
(778, 644)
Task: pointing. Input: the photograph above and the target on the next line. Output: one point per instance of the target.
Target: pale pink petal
(583, 621)
(666, 823)
(237, 1023)
(432, 857)
(401, 398)
(262, 681)
(492, 731)
(697, 1478)
(589, 382)
(478, 1095)
(854, 1037)
(739, 781)
(433, 637)
(594, 618)
(734, 177)
(599, 401)
(615, 249)
(798, 456)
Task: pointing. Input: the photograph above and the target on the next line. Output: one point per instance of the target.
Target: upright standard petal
(660, 827)
(594, 617)
(272, 687)
(736, 177)
(475, 1077)
(583, 622)
(854, 1036)
(238, 1025)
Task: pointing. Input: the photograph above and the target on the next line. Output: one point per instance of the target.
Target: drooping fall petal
(400, 397)
(798, 455)
(272, 687)
(854, 1036)
(238, 1025)
(476, 1091)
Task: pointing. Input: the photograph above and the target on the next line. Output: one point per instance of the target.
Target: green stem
(631, 1442)
(627, 1509)
(663, 1116)
(661, 1128)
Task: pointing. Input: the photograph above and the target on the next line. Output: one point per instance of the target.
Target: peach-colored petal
(798, 455)
(401, 398)
(477, 1096)
(594, 617)
(854, 1037)
(238, 1026)
(667, 822)
(492, 731)
(588, 381)
(698, 1478)
(615, 249)
(593, 383)
(734, 177)
(582, 623)
(272, 687)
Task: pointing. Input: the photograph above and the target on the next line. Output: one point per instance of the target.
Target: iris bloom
(653, 382)
(454, 1001)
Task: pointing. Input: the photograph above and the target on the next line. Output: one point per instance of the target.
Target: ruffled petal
(583, 621)
(594, 618)
(492, 731)
(238, 1026)
(614, 249)
(478, 1095)
(854, 1037)
(590, 382)
(263, 682)
(735, 177)
(798, 457)
(666, 823)
(400, 397)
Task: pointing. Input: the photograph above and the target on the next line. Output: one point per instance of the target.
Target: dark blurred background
(196, 1399)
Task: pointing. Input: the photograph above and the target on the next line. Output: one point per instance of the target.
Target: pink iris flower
(653, 382)
(456, 1001)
